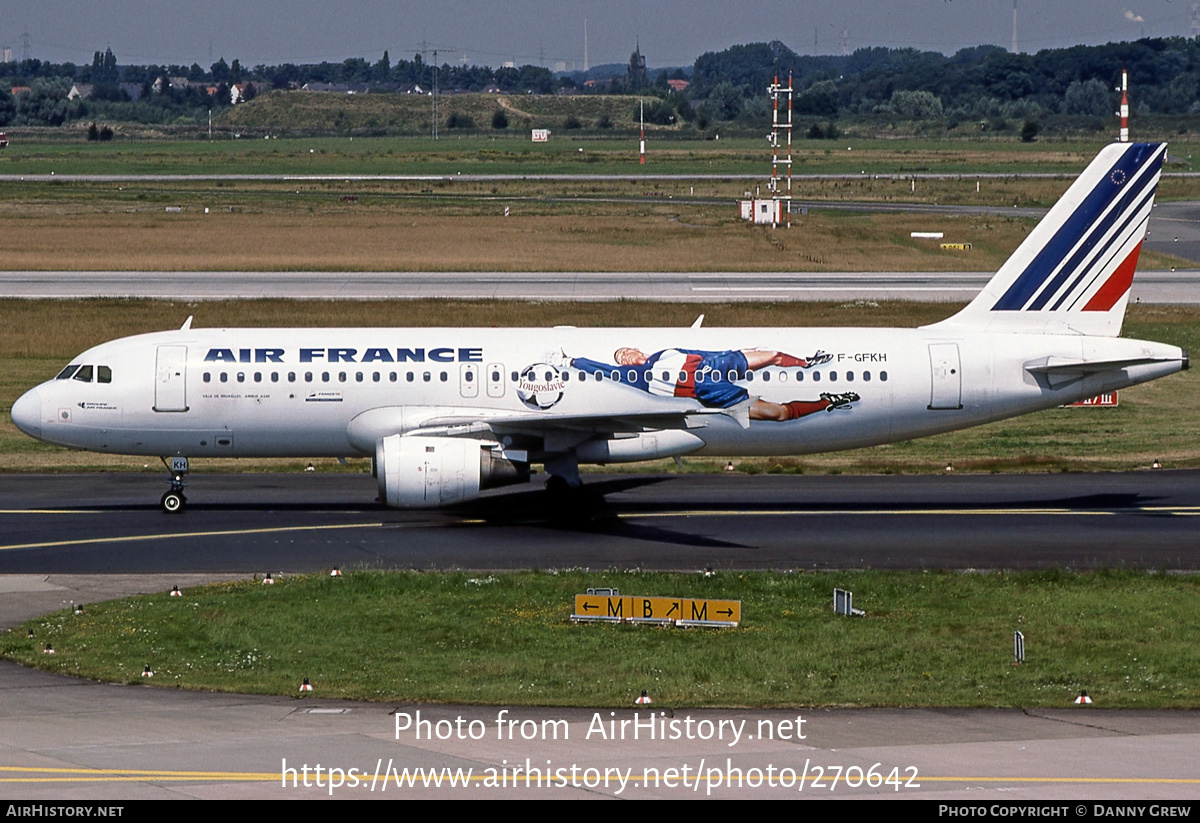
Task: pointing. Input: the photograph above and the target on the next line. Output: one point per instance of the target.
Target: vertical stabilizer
(1073, 272)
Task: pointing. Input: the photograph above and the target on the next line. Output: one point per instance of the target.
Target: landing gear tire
(172, 502)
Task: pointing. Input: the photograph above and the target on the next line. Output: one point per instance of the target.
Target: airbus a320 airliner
(446, 413)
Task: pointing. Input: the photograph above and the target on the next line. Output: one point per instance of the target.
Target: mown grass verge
(930, 639)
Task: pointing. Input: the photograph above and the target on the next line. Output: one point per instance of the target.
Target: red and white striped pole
(642, 119)
(1124, 107)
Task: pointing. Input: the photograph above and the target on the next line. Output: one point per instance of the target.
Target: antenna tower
(642, 121)
(1014, 42)
(26, 45)
(783, 200)
(435, 95)
(1124, 112)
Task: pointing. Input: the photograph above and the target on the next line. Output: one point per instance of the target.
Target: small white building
(762, 210)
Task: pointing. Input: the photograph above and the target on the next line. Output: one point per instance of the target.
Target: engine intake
(425, 472)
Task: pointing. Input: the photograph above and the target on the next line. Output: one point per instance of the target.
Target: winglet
(699, 321)
(187, 324)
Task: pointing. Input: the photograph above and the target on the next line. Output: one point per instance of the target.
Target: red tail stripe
(1117, 284)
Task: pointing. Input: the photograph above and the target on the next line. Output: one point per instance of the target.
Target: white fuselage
(334, 392)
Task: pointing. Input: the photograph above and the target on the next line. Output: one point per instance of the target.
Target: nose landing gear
(173, 499)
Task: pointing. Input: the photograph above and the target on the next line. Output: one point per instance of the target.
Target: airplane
(446, 413)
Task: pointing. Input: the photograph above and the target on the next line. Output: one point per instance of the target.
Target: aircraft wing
(540, 423)
(449, 421)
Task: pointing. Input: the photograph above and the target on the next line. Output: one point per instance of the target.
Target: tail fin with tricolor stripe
(1073, 272)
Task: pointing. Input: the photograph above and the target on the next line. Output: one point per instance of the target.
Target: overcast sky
(550, 32)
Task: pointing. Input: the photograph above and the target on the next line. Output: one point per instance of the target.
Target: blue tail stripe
(1098, 230)
(1078, 223)
(1117, 239)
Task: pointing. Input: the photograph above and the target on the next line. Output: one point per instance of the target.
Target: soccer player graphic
(709, 377)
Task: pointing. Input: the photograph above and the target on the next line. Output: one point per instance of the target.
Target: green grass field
(930, 639)
(513, 152)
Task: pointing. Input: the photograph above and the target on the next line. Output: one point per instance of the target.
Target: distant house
(678, 85)
(82, 91)
(162, 83)
(241, 92)
(20, 90)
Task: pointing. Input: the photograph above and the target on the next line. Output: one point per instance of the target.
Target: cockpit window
(66, 373)
(84, 374)
(103, 374)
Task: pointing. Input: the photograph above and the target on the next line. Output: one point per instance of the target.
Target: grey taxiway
(69, 739)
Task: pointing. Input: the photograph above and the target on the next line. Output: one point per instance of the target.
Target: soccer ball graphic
(540, 386)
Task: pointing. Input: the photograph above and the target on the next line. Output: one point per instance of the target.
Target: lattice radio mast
(783, 200)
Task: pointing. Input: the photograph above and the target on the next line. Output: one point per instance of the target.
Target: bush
(572, 122)
(458, 120)
(499, 120)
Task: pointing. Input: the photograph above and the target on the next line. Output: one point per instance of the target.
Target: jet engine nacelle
(424, 472)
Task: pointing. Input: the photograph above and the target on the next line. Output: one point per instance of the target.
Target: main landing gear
(173, 500)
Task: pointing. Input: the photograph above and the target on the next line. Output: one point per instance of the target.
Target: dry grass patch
(386, 240)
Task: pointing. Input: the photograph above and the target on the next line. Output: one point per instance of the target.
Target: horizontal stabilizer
(1059, 371)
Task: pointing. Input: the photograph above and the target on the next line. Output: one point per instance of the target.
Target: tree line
(984, 84)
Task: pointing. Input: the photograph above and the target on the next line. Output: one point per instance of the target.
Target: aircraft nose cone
(27, 413)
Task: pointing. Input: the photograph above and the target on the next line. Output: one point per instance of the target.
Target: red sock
(802, 408)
